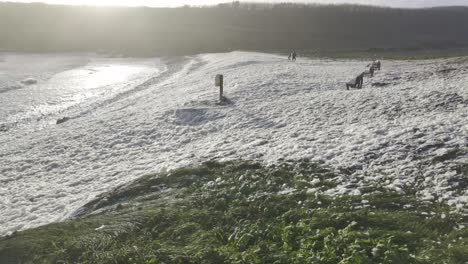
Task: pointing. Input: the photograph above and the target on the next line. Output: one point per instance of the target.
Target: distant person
(290, 56)
(294, 56)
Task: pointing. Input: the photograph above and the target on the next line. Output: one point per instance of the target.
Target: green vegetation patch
(389, 54)
(244, 212)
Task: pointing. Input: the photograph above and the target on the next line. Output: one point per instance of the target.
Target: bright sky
(173, 3)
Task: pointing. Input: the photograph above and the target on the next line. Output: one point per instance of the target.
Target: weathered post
(219, 81)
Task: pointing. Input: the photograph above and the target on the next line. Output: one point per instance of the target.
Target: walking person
(294, 56)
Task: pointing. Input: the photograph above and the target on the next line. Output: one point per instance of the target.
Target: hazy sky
(393, 3)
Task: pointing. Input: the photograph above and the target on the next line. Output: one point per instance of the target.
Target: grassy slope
(387, 54)
(238, 212)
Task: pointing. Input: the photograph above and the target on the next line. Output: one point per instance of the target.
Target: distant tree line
(225, 27)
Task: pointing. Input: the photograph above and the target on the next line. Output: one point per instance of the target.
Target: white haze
(175, 3)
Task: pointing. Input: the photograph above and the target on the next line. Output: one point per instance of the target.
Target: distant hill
(187, 30)
(409, 4)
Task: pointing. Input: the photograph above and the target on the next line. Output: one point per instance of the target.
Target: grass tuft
(245, 212)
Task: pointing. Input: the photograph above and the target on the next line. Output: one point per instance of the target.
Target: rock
(29, 81)
(447, 70)
(62, 120)
(380, 84)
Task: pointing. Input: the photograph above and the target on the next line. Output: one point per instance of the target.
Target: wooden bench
(353, 83)
(370, 71)
(356, 82)
(376, 65)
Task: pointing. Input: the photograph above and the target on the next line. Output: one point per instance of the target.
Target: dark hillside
(159, 31)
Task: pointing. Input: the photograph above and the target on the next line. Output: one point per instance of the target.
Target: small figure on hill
(290, 56)
(294, 56)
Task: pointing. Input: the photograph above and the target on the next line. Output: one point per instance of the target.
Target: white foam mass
(409, 134)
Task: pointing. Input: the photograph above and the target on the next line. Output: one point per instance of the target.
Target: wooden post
(219, 81)
(221, 97)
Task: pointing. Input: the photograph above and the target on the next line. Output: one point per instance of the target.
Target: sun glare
(152, 3)
(101, 2)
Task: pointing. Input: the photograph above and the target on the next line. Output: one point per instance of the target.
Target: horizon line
(207, 5)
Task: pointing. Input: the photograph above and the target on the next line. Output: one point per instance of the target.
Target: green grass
(238, 212)
(382, 54)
